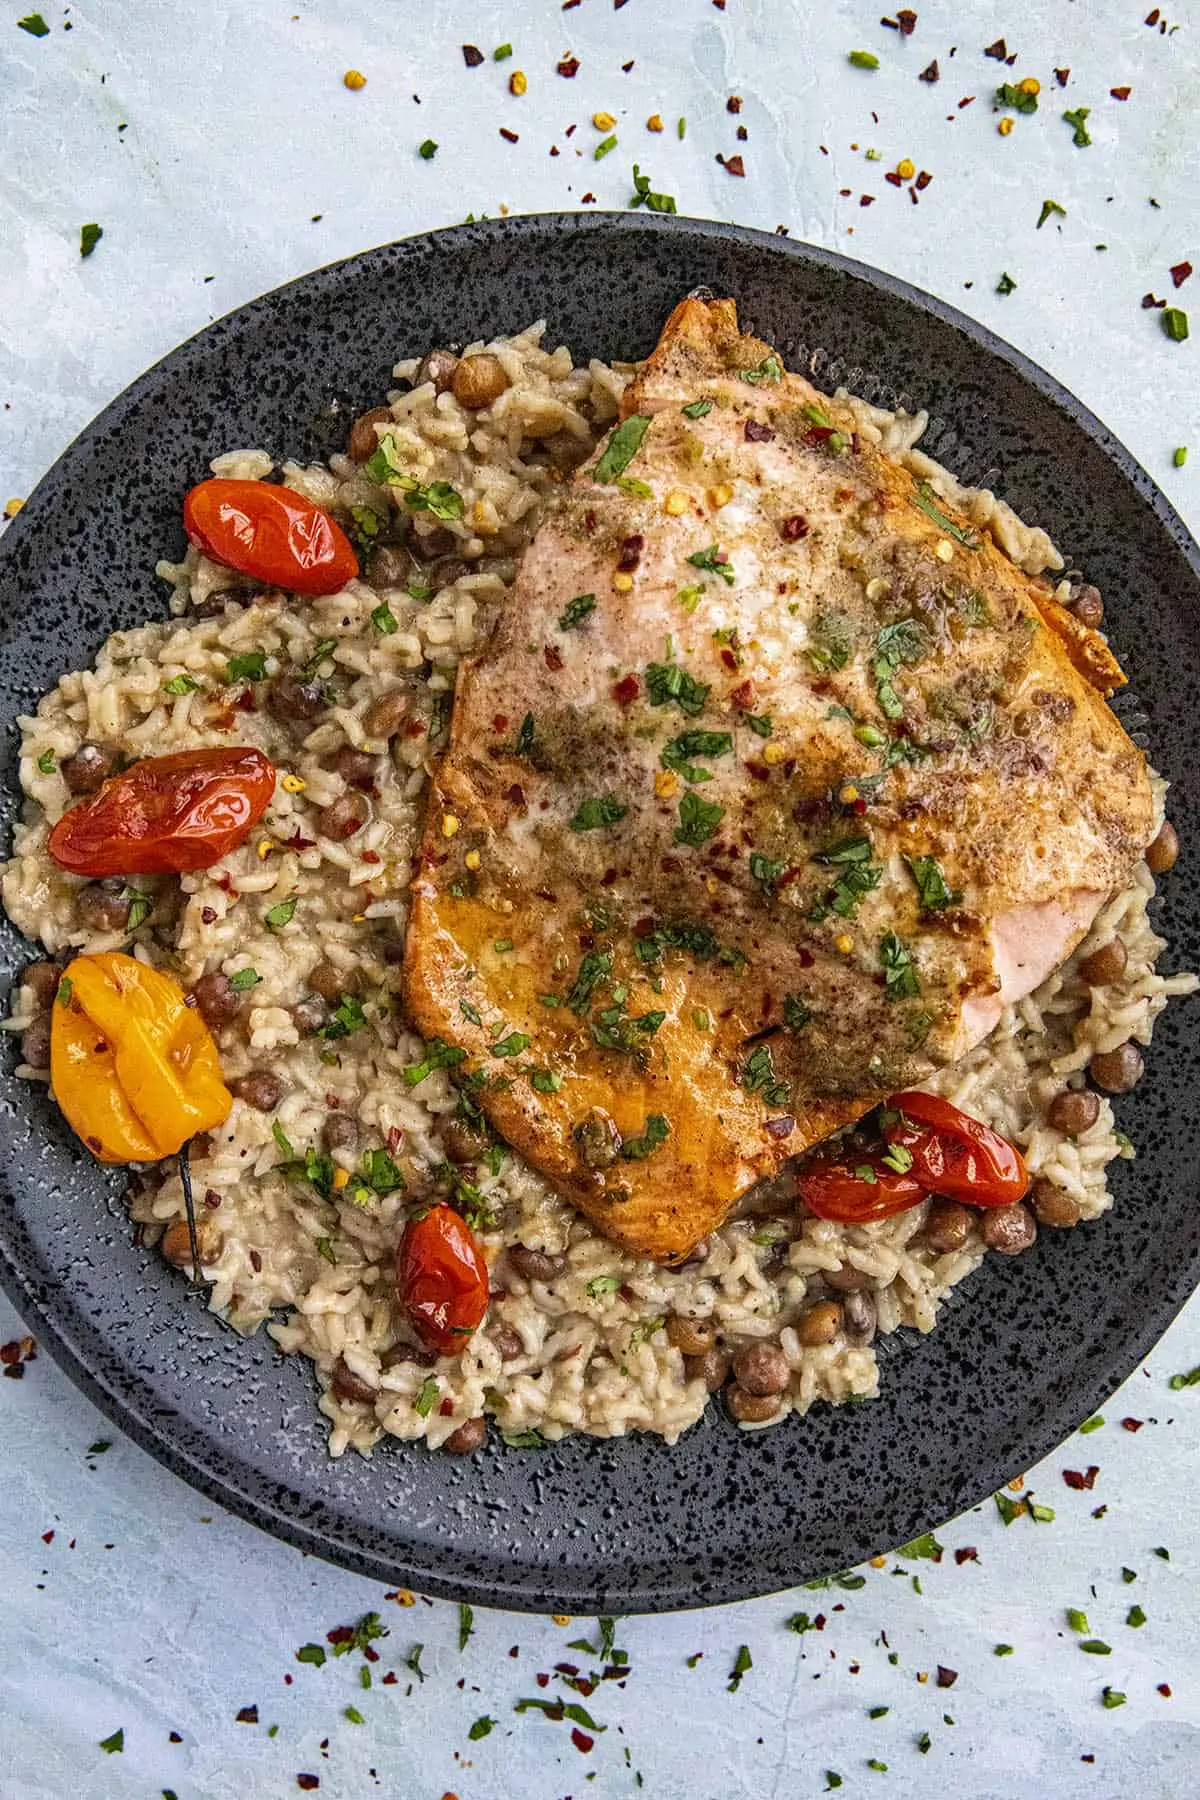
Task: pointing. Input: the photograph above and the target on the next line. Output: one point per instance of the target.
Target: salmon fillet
(775, 782)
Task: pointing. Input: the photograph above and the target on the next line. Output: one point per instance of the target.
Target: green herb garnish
(901, 981)
(140, 904)
(427, 150)
(437, 1054)
(1175, 324)
(767, 371)
(426, 1397)
(576, 611)
(861, 59)
(278, 916)
(927, 501)
(698, 819)
(713, 563)
(89, 237)
(181, 684)
(347, 1017)
(1049, 207)
(677, 754)
(622, 447)
(932, 890)
(657, 1131)
(1006, 284)
(758, 1077)
(250, 666)
(596, 812)
(667, 683)
(1018, 98)
(643, 195)
(1077, 120)
(697, 409)
(384, 620)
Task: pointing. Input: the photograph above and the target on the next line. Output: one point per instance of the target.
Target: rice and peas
(294, 941)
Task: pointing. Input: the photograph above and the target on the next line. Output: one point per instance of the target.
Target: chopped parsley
(765, 871)
(348, 1016)
(380, 1172)
(829, 642)
(1096, 1647)
(858, 876)
(439, 498)
(697, 409)
(315, 1166)
(427, 150)
(713, 563)
(927, 501)
(598, 811)
(181, 684)
(1077, 120)
(437, 1054)
(796, 1015)
(140, 905)
(513, 1045)
(1006, 284)
(384, 620)
(1175, 324)
(243, 979)
(114, 1745)
(1111, 1697)
(834, 441)
(622, 447)
(250, 666)
(602, 1284)
(604, 146)
(1135, 1617)
(481, 1728)
(525, 736)
(761, 724)
(89, 237)
(689, 597)
(545, 1081)
(644, 195)
(698, 819)
(47, 762)
(524, 1440)
(592, 970)
(324, 1249)
(425, 1398)
(1049, 207)
(901, 981)
(576, 611)
(668, 684)
(758, 1077)
(37, 27)
(367, 520)
(767, 371)
(861, 59)
(1191, 1379)
(1017, 97)
(742, 1664)
(322, 649)
(677, 754)
(932, 890)
(276, 917)
(657, 1131)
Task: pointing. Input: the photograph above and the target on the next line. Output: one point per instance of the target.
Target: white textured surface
(164, 1616)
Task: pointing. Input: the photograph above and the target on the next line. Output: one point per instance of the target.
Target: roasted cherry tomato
(858, 1192)
(271, 533)
(442, 1279)
(166, 815)
(953, 1154)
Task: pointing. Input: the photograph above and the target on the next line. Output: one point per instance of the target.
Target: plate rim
(527, 1591)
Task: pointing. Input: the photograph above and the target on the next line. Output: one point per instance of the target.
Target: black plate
(1030, 1347)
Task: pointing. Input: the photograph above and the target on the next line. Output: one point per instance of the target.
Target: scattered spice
(472, 55)
(732, 165)
(930, 74)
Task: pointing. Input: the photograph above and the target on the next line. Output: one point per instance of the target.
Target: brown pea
(508, 1342)
(860, 1317)
(845, 1278)
(217, 1000)
(310, 1013)
(326, 979)
(761, 1368)
(1073, 1111)
(390, 567)
(346, 1385)
(535, 1265)
(946, 1224)
(692, 1336)
(363, 440)
(820, 1324)
(385, 715)
(1088, 606)
(103, 905)
(712, 1368)
(261, 1088)
(292, 698)
(463, 1143)
(343, 817)
(340, 1131)
(431, 539)
(1008, 1229)
(1054, 1206)
(88, 768)
(35, 1042)
(408, 1353)
(446, 571)
(479, 380)
(468, 1437)
(1163, 853)
(1119, 1070)
(213, 605)
(699, 1253)
(1105, 965)
(437, 366)
(42, 979)
(355, 766)
(750, 1409)
(176, 1244)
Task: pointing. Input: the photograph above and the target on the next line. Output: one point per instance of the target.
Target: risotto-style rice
(300, 918)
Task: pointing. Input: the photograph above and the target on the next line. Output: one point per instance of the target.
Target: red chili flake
(1152, 17)
(565, 1668)
(781, 1127)
(1164, 1689)
(10, 1353)
(1088, 1756)
(967, 100)
(967, 1553)
(732, 165)
(794, 527)
(570, 131)
(247, 1716)
(734, 103)
(212, 1199)
(907, 21)
(625, 67)
(923, 180)
(720, 5)
(568, 68)
(589, 199)
(997, 51)
(298, 841)
(844, 192)
(866, 200)
(743, 134)
(946, 1678)
(762, 434)
(245, 701)
(1062, 76)
(472, 55)
(516, 794)
(631, 553)
(1148, 300)
(542, 1680)
(47, 1537)
(581, 1740)
(390, 1679)
(1180, 273)
(511, 137)
(341, 1634)
(446, 1408)
(553, 658)
(1121, 93)
(743, 696)
(1133, 1424)
(896, 180)
(499, 722)
(569, 4)
(308, 1782)
(371, 856)
(730, 659)
(930, 74)
(1075, 1478)
(626, 690)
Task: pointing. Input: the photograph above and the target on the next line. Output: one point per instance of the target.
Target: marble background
(222, 154)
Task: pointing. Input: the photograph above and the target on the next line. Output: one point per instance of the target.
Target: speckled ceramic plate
(1025, 1348)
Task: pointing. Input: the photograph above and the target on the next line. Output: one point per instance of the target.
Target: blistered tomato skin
(270, 533)
(953, 1154)
(166, 815)
(858, 1192)
(442, 1279)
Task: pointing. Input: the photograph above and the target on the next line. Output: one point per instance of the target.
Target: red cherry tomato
(953, 1154)
(442, 1279)
(166, 815)
(859, 1192)
(271, 533)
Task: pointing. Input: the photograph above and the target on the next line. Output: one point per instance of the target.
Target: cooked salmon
(775, 782)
